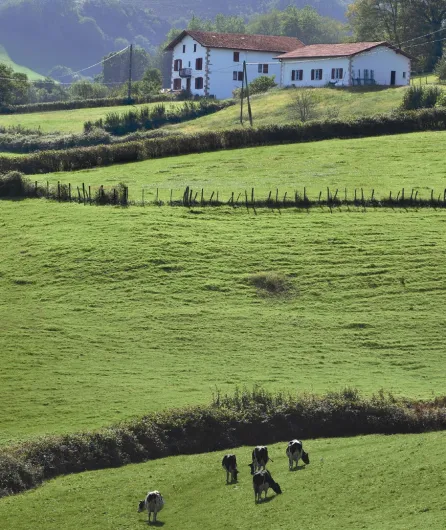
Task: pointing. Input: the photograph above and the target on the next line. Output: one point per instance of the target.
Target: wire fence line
(248, 198)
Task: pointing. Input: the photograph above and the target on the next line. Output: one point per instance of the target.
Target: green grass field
(5, 59)
(374, 482)
(275, 107)
(64, 121)
(108, 313)
(410, 161)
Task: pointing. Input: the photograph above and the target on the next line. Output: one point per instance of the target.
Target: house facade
(351, 64)
(211, 64)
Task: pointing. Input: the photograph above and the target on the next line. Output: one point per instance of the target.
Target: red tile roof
(238, 41)
(336, 50)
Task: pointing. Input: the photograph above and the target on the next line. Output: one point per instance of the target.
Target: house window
(263, 69)
(198, 83)
(177, 84)
(237, 76)
(177, 65)
(337, 73)
(316, 75)
(372, 74)
(236, 57)
(195, 47)
(366, 73)
(199, 64)
(297, 75)
(404, 75)
(184, 48)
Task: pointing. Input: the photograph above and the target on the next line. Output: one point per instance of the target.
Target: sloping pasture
(389, 163)
(374, 482)
(108, 313)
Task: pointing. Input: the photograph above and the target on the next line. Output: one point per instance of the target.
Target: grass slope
(64, 121)
(4, 58)
(374, 482)
(274, 107)
(108, 313)
(277, 107)
(384, 164)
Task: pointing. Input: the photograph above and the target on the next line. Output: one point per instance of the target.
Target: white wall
(188, 59)
(382, 60)
(222, 67)
(314, 64)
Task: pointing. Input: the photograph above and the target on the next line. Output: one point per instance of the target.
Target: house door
(188, 84)
(392, 78)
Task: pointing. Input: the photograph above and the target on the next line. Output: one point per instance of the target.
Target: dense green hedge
(31, 142)
(82, 104)
(230, 421)
(104, 155)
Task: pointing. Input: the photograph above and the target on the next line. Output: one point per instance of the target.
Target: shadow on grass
(298, 468)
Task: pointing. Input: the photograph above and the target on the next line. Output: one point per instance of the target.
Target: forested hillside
(42, 34)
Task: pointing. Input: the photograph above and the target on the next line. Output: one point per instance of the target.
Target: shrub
(272, 283)
(421, 97)
(14, 184)
(440, 69)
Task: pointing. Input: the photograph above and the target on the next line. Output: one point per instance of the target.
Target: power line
(102, 61)
(421, 36)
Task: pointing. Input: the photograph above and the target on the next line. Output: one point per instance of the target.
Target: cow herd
(261, 477)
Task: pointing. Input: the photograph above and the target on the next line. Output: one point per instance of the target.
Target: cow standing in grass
(229, 464)
(294, 452)
(262, 481)
(153, 503)
(259, 458)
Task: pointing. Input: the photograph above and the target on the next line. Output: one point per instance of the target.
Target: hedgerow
(229, 421)
(83, 104)
(104, 155)
(154, 117)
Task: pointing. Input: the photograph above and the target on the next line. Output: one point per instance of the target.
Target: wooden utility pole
(129, 94)
(242, 94)
(245, 75)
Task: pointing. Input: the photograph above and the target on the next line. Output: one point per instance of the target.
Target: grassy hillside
(384, 164)
(4, 58)
(109, 313)
(64, 121)
(351, 483)
(274, 107)
(278, 107)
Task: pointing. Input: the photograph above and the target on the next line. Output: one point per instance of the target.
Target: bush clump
(421, 97)
(14, 184)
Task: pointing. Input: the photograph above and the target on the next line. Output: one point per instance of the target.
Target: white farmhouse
(211, 64)
(351, 64)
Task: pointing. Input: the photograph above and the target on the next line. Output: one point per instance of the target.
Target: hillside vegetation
(275, 107)
(4, 58)
(351, 483)
(112, 307)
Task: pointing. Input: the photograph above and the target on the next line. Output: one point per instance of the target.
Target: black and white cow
(153, 503)
(229, 464)
(259, 458)
(262, 481)
(294, 452)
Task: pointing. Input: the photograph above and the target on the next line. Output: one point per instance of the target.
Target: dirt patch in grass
(271, 283)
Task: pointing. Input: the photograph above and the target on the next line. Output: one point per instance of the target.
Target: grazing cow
(262, 481)
(153, 503)
(259, 458)
(294, 452)
(229, 464)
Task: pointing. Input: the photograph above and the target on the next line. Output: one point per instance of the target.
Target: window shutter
(333, 73)
(341, 73)
(293, 75)
(312, 75)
